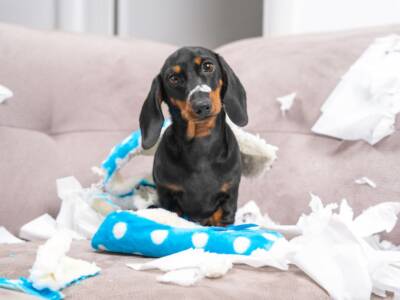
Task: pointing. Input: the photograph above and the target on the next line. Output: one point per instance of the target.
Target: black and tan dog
(197, 166)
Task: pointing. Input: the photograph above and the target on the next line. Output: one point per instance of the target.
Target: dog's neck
(209, 131)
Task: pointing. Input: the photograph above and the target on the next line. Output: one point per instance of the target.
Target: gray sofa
(76, 96)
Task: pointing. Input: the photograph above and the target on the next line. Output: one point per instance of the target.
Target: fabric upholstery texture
(77, 96)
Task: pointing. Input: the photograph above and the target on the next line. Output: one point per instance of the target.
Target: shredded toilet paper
(366, 99)
(286, 102)
(339, 252)
(76, 213)
(365, 180)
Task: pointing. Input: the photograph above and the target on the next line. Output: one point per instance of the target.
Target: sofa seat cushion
(117, 281)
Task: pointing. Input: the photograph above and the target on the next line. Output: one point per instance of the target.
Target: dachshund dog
(197, 166)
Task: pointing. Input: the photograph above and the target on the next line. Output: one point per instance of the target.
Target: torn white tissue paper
(365, 180)
(375, 219)
(5, 93)
(183, 277)
(364, 104)
(337, 242)
(53, 269)
(41, 228)
(7, 237)
(250, 213)
(76, 213)
(286, 102)
(189, 266)
(342, 254)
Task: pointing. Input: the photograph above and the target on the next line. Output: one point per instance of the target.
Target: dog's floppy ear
(233, 94)
(151, 117)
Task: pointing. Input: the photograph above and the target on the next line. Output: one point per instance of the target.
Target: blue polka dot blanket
(129, 232)
(132, 233)
(139, 193)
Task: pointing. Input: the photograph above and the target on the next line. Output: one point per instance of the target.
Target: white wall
(301, 16)
(93, 16)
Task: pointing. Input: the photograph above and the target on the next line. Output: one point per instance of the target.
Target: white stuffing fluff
(166, 217)
(53, 269)
(257, 155)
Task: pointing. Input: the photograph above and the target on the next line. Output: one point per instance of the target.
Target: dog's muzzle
(200, 101)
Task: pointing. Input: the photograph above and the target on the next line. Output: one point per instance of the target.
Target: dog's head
(198, 84)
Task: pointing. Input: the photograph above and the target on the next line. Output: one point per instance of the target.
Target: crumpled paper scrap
(366, 99)
(339, 252)
(365, 180)
(286, 102)
(5, 93)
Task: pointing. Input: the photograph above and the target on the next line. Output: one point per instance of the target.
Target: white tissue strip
(53, 269)
(365, 180)
(286, 102)
(5, 93)
(366, 99)
(76, 213)
(183, 277)
(187, 267)
(41, 228)
(7, 237)
(199, 88)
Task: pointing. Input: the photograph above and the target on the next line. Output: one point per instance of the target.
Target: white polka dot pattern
(119, 230)
(241, 244)
(158, 236)
(200, 239)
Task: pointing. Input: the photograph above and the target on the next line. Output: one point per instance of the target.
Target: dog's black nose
(201, 107)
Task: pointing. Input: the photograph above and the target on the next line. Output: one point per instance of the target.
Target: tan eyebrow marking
(197, 60)
(177, 69)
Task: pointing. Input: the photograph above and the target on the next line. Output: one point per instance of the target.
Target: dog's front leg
(225, 214)
(168, 199)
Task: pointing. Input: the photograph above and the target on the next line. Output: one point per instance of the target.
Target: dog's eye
(173, 79)
(208, 67)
